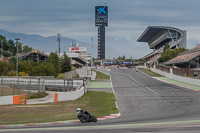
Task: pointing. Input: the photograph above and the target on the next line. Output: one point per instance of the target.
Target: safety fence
(18, 86)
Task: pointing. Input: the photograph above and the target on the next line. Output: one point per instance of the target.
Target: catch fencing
(27, 85)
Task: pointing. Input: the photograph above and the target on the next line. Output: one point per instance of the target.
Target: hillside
(47, 44)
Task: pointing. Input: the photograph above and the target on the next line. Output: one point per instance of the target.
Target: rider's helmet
(78, 109)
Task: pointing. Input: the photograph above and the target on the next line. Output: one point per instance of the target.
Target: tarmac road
(145, 104)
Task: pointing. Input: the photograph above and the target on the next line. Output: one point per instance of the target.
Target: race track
(145, 104)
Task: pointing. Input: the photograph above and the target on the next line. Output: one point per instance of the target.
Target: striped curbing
(57, 123)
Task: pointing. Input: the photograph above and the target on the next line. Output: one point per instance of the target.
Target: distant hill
(46, 44)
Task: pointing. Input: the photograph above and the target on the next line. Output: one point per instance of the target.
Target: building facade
(158, 36)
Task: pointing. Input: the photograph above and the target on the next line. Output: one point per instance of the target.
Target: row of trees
(52, 67)
(10, 48)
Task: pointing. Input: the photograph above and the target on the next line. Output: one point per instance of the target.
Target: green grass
(101, 76)
(98, 103)
(38, 95)
(153, 74)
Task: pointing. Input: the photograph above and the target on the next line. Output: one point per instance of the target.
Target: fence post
(2, 86)
(39, 84)
(13, 89)
(17, 85)
(171, 71)
(28, 88)
(64, 86)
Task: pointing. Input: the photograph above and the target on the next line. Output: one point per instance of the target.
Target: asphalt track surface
(145, 104)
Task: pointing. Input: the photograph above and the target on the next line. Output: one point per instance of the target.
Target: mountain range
(46, 44)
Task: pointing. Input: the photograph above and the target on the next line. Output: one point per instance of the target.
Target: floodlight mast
(17, 39)
(58, 40)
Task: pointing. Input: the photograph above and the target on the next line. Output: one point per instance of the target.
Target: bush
(11, 74)
(38, 95)
(23, 74)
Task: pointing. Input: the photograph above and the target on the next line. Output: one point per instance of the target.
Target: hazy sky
(127, 20)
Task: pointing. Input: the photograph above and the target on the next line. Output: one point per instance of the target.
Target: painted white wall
(73, 95)
(6, 100)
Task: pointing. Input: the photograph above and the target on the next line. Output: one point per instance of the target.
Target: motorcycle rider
(82, 111)
(85, 116)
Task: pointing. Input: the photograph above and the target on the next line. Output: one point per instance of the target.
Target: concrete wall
(179, 78)
(6, 100)
(73, 95)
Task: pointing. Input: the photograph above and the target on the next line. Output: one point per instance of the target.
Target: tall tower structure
(101, 20)
(58, 40)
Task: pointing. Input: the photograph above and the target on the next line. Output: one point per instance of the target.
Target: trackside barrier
(55, 97)
(20, 99)
(23, 99)
(65, 96)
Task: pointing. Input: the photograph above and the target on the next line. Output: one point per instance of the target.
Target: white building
(79, 55)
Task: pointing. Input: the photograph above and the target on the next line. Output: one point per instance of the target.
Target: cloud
(75, 18)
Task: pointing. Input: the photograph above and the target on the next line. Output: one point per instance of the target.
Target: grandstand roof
(185, 57)
(151, 31)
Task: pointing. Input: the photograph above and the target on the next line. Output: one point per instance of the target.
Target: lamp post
(2, 50)
(22, 48)
(91, 63)
(17, 39)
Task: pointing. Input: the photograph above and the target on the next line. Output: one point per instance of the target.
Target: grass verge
(98, 103)
(38, 95)
(149, 72)
(101, 76)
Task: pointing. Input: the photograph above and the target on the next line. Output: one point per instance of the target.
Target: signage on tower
(101, 16)
(101, 12)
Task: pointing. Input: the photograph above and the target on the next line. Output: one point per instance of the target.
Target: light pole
(91, 63)
(2, 50)
(17, 39)
(22, 48)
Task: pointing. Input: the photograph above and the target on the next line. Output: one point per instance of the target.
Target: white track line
(144, 86)
(114, 93)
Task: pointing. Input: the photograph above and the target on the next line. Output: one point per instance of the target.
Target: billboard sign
(101, 16)
(101, 12)
(118, 62)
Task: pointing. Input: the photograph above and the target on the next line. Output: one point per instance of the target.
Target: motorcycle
(86, 117)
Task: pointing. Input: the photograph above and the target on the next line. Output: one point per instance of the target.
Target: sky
(127, 21)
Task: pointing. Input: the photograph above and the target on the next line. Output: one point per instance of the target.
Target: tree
(169, 53)
(6, 67)
(55, 61)
(12, 47)
(12, 60)
(65, 63)
(43, 69)
(26, 66)
(26, 48)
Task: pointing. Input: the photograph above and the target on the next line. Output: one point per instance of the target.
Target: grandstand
(158, 36)
(34, 55)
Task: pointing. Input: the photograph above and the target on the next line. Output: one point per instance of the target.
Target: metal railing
(16, 86)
